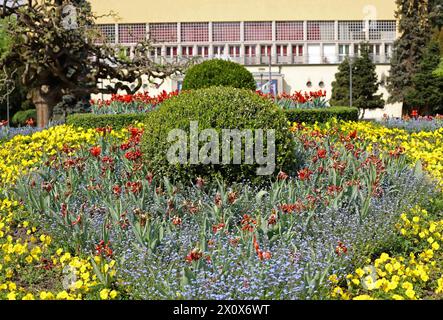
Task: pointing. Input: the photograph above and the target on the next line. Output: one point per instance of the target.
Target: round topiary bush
(218, 72)
(221, 109)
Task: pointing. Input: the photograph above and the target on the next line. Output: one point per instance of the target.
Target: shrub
(116, 121)
(322, 115)
(19, 119)
(218, 108)
(218, 73)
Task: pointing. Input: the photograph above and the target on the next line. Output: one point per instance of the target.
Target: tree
(426, 95)
(56, 42)
(414, 29)
(12, 93)
(364, 83)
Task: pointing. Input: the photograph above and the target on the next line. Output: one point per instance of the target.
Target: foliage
(56, 51)
(20, 118)
(299, 100)
(215, 108)
(90, 204)
(414, 30)
(439, 71)
(418, 124)
(137, 103)
(426, 95)
(412, 277)
(364, 83)
(218, 72)
(322, 115)
(116, 121)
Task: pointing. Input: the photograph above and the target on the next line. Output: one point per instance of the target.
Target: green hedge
(217, 72)
(116, 121)
(20, 117)
(322, 115)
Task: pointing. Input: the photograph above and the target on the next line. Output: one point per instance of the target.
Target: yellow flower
(113, 294)
(435, 246)
(11, 296)
(410, 293)
(104, 294)
(29, 296)
(360, 272)
(397, 297)
(62, 295)
(363, 297)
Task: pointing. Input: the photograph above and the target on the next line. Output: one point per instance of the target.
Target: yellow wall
(142, 11)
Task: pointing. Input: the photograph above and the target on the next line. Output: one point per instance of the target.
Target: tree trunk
(44, 103)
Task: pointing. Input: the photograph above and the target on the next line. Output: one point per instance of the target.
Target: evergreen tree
(427, 92)
(364, 83)
(414, 29)
(340, 87)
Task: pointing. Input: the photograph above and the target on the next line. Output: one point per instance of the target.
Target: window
(226, 31)
(131, 33)
(282, 50)
(258, 31)
(388, 50)
(351, 30)
(384, 30)
(343, 50)
(265, 50)
(171, 52)
(250, 50)
(219, 50)
(297, 50)
(163, 32)
(155, 52)
(234, 51)
(321, 30)
(187, 51)
(289, 30)
(203, 51)
(195, 32)
(107, 33)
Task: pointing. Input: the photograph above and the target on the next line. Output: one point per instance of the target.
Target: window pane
(258, 31)
(382, 30)
(195, 32)
(321, 30)
(351, 30)
(131, 33)
(289, 30)
(163, 32)
(226, 31)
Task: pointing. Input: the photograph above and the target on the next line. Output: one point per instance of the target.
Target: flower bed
(109, 228)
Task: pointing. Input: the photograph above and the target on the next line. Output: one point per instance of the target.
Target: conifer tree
(364, 83)
(414, 30)
(426, 95)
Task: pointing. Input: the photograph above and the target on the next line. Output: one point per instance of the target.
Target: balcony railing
(277, 60)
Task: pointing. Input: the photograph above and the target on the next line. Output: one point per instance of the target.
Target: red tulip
(95, 151)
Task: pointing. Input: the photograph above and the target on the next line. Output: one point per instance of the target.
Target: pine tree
(427, 92)
(340, 87)
(364, 83)
(414, 29)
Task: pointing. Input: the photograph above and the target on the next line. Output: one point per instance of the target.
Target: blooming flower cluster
(137, 103)
(414, 276)
(27, 257)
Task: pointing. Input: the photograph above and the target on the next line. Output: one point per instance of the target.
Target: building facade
(288, 45)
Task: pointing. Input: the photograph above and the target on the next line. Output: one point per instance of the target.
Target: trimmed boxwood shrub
(116, 121)
(322, 115)
(20, 117)
(218, 108)
(218, 72)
